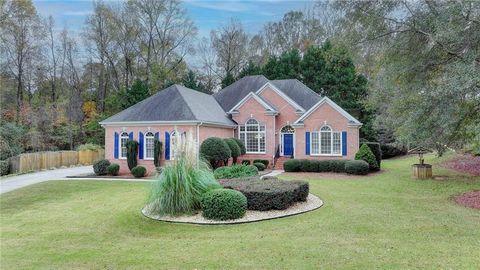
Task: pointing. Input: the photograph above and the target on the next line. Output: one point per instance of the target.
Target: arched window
(149, 145)
(287, 129)
(123, 145)
(173, 139)
(253, 136)
(326, 142)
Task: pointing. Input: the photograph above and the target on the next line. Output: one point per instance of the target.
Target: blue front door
(287, 144)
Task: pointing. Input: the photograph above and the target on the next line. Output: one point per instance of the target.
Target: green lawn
(387, 221)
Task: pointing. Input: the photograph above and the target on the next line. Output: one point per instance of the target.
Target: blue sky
(207, 14)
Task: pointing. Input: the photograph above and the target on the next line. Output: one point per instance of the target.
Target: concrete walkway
(23, 180)
(273, 173)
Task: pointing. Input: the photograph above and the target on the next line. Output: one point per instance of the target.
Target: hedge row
(336, 165)
(264, 195)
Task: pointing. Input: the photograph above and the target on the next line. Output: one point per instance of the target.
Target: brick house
(276, 119)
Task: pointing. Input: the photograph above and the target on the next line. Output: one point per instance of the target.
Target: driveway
(19, 181)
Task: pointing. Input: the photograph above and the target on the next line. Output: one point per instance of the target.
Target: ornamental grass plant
(181, 184)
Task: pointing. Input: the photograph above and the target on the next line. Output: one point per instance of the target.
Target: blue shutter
(307, 143)
(157, 136)
(140, 145)
(344, 143)
(115, 146)
(167, 146)
(130, 136)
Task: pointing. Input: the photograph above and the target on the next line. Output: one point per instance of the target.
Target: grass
(388, 221)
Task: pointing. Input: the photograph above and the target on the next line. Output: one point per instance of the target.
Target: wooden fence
(48, 160)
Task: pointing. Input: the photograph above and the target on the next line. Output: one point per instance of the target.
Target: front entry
(287, 144)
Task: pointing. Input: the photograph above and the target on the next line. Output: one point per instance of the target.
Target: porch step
(279, 163)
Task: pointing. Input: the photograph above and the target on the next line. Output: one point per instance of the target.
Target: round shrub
(364, 153)
(234, 149)
(260, 166)
(292, 165)
(223, 204)
(113, 169)
(214, 150)
(359, 167)
(264, 161)
(100, 166)
(139, 171)
(240, 143)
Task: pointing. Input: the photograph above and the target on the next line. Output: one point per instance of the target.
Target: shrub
(139, 171)
(223, 204)
(324, 165)
(157, 152)
(337, 165)
(364, 153)
(260, 166)
(100, 166)
(214, 150)
(234, 149)
(132, 150)
(377, 152)
(264, 195)
(89, 146)
(264, 161)
(359, 167)
(5, 150)
(235, 171)
(307, 165)
(240, 143)
(245, 162)
(113, 169)
(4, 167)
(181, 184)
(292, 165)
(392, 150)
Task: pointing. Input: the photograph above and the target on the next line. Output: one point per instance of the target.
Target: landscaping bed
(469, 199)
(465, 163)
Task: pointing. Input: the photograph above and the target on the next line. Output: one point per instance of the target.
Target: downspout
(273, 140)
(198, 143)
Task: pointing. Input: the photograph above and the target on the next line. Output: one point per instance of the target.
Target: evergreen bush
(139, 171)
(132, 150)
(214, 150)
(243, 149)
(4, 167)
(264, 161)
(100, 166)
(157, 152)
(235, 171)
(364, 153)
(377, 152)
(113, 169)
(358, 167)
(223, 204)
(234, 149)
(292, 165)
(260, 166)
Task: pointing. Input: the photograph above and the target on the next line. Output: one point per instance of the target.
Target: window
(123, 144)
(149, 145)
(253, 136)
(326, 142)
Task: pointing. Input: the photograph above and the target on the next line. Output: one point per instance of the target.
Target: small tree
(157, 152)
(214, 150)
(240, 143)
(132, 149)
(234, 148)
(364, 153)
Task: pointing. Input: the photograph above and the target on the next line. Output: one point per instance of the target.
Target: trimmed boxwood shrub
(113, 169)
(323, 165)
(245, 162)
(223, 204)
(139, 171)
(260, 166)
(234, 149)
(214, 150)
(338, 165)
(377, 152)
(359, 167)
(308, 165)
(235, 171)
(364, 153)
(264, 161)
(243, 149)
(264, 195)
(100, 166)
(292, 165)
(4, 167)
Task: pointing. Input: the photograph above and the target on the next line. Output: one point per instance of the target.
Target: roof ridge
(186, 99)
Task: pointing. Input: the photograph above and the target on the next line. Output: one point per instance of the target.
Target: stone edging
(312, 203)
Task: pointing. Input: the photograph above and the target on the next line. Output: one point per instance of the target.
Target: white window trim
(258, 141)
(145, 146)
(331, 143)
(120, 145)
(170, 148)
(281, 140)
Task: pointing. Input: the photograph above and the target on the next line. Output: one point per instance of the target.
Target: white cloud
(77, 13)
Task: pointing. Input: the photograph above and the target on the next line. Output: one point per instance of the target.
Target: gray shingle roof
(294, 89)
(175, 103)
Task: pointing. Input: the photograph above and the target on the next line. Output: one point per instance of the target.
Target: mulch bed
(469, 199)
(465, 164)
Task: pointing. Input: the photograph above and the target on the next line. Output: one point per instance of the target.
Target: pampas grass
(182, 182)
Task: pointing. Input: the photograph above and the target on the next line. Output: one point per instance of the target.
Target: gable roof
(351, 120)
(174, 104)
(268, 107)
(295, 90)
